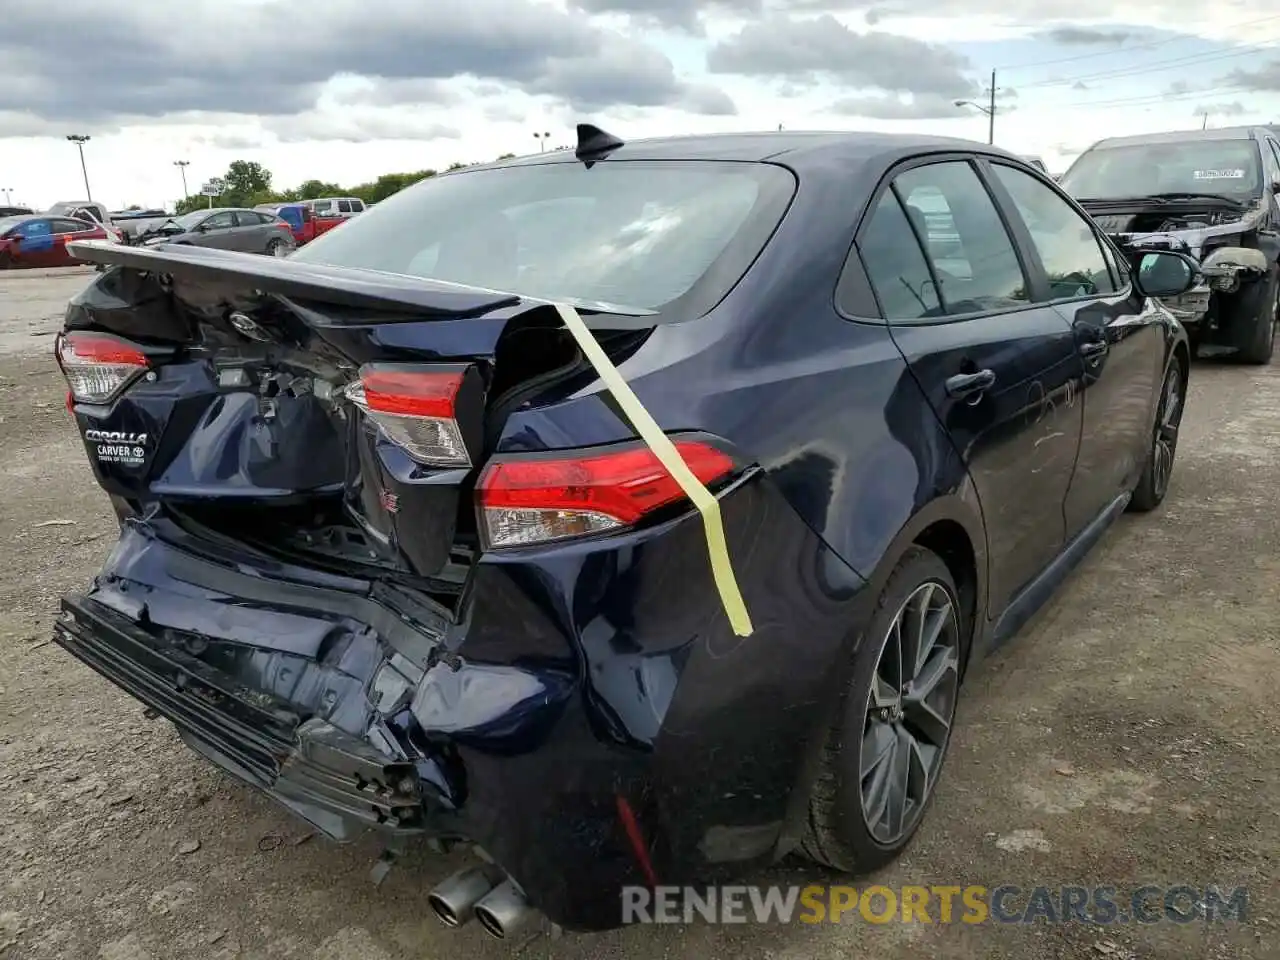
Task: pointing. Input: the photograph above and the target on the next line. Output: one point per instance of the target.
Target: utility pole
(991, 111)
(989, 108)
(1204, 125)
(182, 167)
(80, 140)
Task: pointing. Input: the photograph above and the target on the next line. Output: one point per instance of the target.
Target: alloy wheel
(909, 712)
(1166, 438)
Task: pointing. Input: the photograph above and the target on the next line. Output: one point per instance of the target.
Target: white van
(336, 207)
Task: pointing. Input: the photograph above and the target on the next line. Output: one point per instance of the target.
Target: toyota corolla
(393, 550)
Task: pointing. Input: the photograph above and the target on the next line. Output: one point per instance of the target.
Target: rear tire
(6, 260)
(1255, 318)
(278, 248)
(847, 828)
(1153, 485)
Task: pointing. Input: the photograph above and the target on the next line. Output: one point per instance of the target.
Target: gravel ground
(1127, 737)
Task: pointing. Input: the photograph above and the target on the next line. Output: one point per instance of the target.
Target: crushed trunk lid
(329, 415)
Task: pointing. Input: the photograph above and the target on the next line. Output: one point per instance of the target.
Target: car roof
(791, 147)
(1183, 136)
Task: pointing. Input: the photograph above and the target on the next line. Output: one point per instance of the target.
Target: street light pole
(990, 109)
(182, 167)
(542, 141)
(8, 201)
(80, 140)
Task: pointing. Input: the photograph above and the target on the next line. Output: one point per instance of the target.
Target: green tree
(244, 180)
(188, 204)
(311, 189)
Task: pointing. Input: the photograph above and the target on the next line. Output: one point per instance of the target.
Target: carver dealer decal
(1236, 174)
(118, 446)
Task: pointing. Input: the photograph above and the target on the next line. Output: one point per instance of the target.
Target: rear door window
(972, 254)
(72, 226)
(896, 265)
(249, 218)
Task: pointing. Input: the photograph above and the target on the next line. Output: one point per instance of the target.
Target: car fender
(962, 509)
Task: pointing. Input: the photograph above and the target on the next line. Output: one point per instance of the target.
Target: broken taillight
(416, 409)
(97, 365)
(535, 499)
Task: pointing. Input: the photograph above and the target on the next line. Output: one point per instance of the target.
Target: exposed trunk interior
(258, 443)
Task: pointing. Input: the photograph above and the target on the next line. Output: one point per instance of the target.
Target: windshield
(189, 220)
(636, 234)
(1228, 167)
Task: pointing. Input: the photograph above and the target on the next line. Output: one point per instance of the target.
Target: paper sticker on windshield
(1218, 174)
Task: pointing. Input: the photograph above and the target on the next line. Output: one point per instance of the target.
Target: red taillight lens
(538, 499)
(415, 409)
(97, 365)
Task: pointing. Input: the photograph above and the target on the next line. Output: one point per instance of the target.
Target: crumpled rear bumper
(328, 777)
(588, 718)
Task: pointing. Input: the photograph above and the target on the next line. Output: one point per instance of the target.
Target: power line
(1157, 67)
(1149, 99)
(1147, 45)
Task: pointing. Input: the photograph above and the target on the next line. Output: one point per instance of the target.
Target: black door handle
(970, 385)
(1093, 349)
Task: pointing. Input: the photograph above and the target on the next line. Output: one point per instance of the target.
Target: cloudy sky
(343, 90)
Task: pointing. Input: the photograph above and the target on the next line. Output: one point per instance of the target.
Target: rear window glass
(631, 233)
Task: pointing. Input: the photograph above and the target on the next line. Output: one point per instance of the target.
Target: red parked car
(41, 241)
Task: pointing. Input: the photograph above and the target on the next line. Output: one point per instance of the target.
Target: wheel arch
(951, 527)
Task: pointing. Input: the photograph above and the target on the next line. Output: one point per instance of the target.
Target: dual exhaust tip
(485, 894)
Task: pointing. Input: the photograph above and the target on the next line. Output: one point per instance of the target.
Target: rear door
(251, 231)
(999, 369)
(1121, 343)
(66, 230)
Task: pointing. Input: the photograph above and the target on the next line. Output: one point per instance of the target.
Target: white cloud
(342, 94)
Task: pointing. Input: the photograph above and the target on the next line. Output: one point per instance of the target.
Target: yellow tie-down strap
(669, 457)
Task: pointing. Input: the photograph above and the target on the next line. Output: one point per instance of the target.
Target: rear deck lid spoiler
(346, 286)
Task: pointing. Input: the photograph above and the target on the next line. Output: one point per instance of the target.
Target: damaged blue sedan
(392, 551)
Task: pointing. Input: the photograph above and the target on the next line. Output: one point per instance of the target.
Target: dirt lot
(1127, 737)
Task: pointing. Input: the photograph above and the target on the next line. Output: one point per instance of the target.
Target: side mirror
(1275, 186)
(1163, 273)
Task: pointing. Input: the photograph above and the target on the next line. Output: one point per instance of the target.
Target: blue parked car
(392, 551)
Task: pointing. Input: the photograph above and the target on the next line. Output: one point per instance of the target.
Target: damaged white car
(1208, 193)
